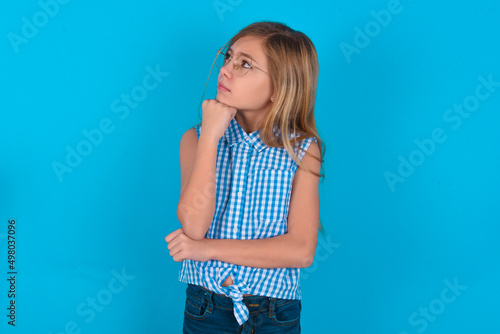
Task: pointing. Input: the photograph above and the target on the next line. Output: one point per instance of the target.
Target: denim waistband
(254, 303)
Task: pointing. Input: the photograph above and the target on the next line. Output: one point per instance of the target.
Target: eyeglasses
(242, 63)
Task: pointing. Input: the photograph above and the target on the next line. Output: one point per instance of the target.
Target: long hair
(293, 66)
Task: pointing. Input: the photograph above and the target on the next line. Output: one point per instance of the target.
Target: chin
(229, 100)
(223, 99)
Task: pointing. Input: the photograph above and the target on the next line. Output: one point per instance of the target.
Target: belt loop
(272, 303)
(209, 297)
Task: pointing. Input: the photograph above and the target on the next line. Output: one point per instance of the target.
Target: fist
(216, 118)
(182, 247)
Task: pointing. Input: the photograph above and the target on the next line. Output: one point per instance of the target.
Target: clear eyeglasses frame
(241, 63)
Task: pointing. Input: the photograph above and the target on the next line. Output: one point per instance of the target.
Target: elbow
(305, 256)
(305, 261)
(190, 228)
(193, 233)
(302, 251)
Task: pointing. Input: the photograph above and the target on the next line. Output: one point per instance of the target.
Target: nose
(227, 70)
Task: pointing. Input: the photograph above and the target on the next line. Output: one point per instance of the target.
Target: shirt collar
(235, 134)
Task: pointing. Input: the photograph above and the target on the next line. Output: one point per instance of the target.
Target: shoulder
(310, 145)
(189, 140)
(190, 135)
(311, 156)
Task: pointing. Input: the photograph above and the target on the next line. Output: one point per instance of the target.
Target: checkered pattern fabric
(253, 187)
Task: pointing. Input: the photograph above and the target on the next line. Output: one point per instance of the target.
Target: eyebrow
(245, 54)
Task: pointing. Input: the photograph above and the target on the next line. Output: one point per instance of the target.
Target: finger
(179, 257)
(207, 102)
(174, 242)
(177, 241)
(177, 254)
(174, 250)
(173, 235)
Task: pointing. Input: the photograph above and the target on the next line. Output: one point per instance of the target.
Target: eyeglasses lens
(241, 64)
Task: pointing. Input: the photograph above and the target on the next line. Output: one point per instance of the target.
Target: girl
(249, 204)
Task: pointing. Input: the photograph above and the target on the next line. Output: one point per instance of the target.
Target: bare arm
(198, 159)
(294, 249)
(197, 201)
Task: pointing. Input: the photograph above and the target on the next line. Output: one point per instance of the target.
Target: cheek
(256, 92)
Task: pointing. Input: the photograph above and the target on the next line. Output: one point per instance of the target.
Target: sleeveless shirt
(253, 188)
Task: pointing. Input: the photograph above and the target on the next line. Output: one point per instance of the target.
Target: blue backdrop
(95, 98)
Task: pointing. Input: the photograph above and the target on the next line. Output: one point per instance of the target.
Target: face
(253, 91)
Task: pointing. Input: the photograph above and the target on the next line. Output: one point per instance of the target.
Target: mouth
(222, 88)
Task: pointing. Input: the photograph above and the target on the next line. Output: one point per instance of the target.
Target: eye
(246, 63)
(227, 57)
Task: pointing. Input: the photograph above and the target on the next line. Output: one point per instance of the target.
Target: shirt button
(246, 138)
(239, 194)
(235, 229)
(244, 159)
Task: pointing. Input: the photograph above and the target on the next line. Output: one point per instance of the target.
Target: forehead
(251, 45)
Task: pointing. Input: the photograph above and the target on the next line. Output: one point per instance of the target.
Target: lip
(222, 88)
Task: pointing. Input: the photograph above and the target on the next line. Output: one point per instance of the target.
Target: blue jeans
(207, 312)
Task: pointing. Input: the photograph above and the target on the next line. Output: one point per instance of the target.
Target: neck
(247, 123)
(250, 121)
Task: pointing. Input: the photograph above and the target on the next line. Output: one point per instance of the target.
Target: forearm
(284, 251)
(196, 206)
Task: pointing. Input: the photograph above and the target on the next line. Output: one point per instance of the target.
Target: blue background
(392, 247)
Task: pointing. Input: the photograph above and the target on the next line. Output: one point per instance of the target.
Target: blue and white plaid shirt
(253, 186)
